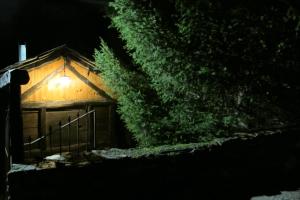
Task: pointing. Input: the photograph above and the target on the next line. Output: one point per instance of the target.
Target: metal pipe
(22, 52)
(34, 141)
(78, 117)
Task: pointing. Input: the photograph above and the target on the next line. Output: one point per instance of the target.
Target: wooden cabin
(65, 104)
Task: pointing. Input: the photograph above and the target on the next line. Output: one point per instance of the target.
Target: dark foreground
(237, 169)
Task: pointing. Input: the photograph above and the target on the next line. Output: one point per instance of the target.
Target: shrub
(201, 70)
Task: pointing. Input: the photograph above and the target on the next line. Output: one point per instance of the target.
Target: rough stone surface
(239, 168)
(285, 195)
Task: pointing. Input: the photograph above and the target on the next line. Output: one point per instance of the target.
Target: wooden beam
(15, 76)
(38, 85)
(84, 63)
(59, 104)
(40, 65)
(88, 82)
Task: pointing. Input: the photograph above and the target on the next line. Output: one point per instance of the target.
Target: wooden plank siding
(102, 126)
(78, 90)
(88, 82)
(30, 124)
(36, 121)
(92, 76)
(37, 73)
(42, 82)
(45, 106)
(53, 118)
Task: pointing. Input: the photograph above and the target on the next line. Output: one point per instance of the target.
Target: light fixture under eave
(64, 81)
(60, 82)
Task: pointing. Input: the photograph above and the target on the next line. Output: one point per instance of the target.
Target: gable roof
(62, 50)
(54, 54)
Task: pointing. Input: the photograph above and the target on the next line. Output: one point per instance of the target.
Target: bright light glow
(64, 81)
(60, 82)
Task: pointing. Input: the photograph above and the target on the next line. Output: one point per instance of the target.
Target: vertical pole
(50, 139)
(42, 129)
(7, 139)
(4, 154)
(30, 147)
(94, 128)
(11, 125)
(41, 148)
(60, 140)
(16, 123)
(69, 139)
(87, 130)
(78, 132)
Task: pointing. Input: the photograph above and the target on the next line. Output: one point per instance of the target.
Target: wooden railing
(45, 144)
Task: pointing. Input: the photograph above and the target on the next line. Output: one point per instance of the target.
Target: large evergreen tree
(202, 69)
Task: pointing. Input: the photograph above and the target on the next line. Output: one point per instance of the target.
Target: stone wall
(237, 169)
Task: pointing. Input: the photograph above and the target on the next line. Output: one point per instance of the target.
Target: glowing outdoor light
(64, 81)
(60, 82)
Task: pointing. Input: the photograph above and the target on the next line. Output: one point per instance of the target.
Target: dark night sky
(45, 24)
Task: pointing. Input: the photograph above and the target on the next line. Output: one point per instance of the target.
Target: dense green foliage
(202, 69)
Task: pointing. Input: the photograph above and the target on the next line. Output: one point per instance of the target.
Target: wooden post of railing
(87, 130)
(50, 138)
(41, 148)
(42, 130)
(60, 134)
(30, 147)
(78, 133)
(69, 138)
(94, 128)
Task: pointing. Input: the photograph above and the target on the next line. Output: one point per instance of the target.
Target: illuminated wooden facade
(63, 84)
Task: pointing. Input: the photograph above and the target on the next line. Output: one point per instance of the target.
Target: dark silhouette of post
(4, 161)
(15, 123)
(11, 139)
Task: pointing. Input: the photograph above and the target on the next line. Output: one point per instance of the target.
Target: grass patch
(160, 150)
